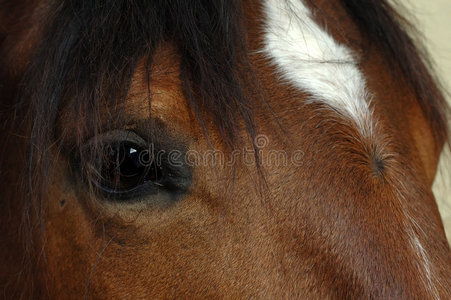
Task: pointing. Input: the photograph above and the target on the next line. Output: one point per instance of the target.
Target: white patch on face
(310, 59)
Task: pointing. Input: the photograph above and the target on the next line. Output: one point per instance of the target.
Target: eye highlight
(121, 165)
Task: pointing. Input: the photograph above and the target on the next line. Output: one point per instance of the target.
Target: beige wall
(433, 18)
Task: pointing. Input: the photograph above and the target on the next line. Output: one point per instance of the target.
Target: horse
(233, 149)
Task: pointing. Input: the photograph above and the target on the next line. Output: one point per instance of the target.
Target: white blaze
(310, 59)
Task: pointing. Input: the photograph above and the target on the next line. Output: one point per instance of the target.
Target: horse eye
(126, 166)
(121, 165)
(123, 168)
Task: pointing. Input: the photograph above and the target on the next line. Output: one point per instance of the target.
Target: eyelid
(114, 136)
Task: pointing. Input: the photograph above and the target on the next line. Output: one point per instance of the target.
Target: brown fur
(330, 228)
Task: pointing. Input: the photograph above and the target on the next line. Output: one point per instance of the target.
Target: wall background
(433, 19)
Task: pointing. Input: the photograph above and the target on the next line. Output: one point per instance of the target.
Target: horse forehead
(312, 60)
